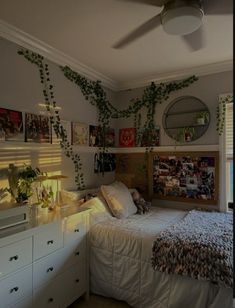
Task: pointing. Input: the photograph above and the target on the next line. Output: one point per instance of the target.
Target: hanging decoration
(96, 95)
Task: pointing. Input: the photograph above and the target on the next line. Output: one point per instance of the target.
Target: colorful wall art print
(127, 137)
(109, 137)
(94, 136)
(37, 128)
(79, 133)
(11, 125)
(150, 137)
(65, 130)
(104, 162)
(188, 176)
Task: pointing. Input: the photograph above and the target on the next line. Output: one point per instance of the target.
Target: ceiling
(86, 30)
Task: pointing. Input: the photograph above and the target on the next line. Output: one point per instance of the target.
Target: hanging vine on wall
(96, 95)
(50, 102)
(220, 112)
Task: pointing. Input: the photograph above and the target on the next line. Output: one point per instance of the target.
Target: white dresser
(44, 263)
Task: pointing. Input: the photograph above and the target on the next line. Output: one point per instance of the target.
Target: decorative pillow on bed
(119, 199)
(142, 205)
(99, 209)
(76, 197)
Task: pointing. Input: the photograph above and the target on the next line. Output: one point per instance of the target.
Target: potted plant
(202, 118)
(20, 182)
(185, 134)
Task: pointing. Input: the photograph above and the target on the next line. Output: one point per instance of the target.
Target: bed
(121, 266)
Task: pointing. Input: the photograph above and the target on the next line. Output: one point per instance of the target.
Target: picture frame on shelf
(11, 125)
(184, 176)
(37, 128)
(127, 137)
(94, 136)
(79, 134)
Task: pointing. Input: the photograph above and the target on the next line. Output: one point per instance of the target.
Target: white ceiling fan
(179, 17)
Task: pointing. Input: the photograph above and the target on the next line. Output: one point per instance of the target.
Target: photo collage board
(184, 176)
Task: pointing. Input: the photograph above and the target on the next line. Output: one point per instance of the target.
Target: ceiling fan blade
(195, 40)
(148, 2)
(218, 7)
(140, 31)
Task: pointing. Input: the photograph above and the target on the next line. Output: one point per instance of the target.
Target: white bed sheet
(120, 266)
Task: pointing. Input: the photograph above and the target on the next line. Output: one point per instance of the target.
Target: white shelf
(9, 145)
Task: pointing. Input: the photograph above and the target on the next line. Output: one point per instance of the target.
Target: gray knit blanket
(199, 246)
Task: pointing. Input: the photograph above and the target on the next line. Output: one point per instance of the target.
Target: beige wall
(207, 88)
(21, 90)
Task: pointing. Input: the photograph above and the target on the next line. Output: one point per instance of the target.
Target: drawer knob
(77, 253)
(14, 258)
(50, 300)
(50, 269)
(50, 242)
(77, 280)
(76, 230)
(15, 289)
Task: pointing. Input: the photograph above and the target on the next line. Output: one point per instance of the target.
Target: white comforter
(120, 266)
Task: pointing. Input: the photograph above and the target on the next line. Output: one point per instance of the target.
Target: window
(229, 151)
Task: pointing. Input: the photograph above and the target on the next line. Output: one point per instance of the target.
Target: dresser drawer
(76, 284)
(26, 302)
(49, 295)
(75, 228)
(15, 287)
(47, 241)
(15, 256)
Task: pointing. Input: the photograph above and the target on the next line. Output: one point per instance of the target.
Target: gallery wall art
(37, 128)
(127, 137)
(104, 162)
(79, 133)
(11, 125)
(189, 177)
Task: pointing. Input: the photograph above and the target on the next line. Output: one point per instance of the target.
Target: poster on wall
(11, 125)
(185, 176)
(109, 137)
(104, 162)
(67, 130)
(149, 137)
(37, 128)
(94, 136)
(79, 133)
(127, 137)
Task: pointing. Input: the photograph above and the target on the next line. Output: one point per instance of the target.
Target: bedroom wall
(21, 90)
(207, 88)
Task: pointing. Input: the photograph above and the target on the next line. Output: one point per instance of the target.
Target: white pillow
(75, 197)
(99, 209)
(119, 199)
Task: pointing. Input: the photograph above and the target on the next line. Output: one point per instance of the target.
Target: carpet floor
(96, 301)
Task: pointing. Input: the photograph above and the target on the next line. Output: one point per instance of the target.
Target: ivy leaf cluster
(49, 97)
(221, 112)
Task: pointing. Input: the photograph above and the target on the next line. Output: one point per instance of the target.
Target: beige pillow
(119, 199)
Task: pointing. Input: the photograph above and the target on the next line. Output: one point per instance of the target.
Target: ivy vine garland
(152, 95)
(220, 112)
(50, 102)
(96, 95)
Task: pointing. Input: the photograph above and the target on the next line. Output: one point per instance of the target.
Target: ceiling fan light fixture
(182, 20)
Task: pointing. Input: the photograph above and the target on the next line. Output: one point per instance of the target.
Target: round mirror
(186, 119)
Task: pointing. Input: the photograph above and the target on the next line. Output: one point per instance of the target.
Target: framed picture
(104, 162)
(189, 177)
(94, 136)
(67, 127)
(127, 137)
(37, 128)
(110, 137)
(11, 125)
(79, 133)
(149, 137)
